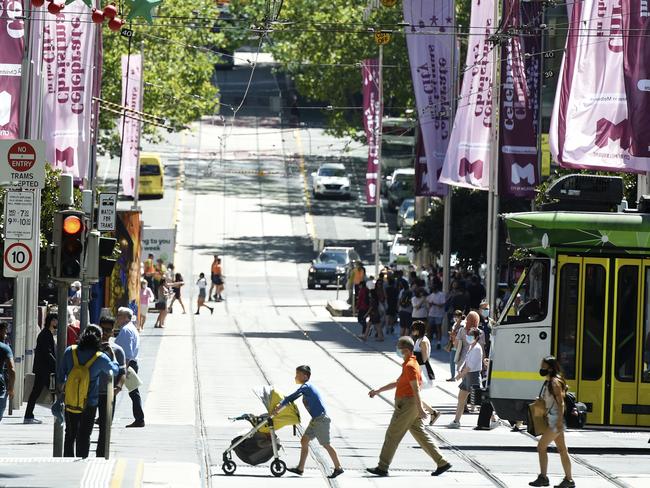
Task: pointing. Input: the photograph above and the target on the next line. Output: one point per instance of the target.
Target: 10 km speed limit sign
(18, 258)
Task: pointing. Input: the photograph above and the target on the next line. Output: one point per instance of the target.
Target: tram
(584, 296)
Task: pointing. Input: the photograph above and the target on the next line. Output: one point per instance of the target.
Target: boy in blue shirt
(319, 426)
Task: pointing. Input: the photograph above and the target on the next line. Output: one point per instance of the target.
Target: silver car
(331, 179)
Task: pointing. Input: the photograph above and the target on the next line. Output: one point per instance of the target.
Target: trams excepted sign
(18, 258)
(22, 163)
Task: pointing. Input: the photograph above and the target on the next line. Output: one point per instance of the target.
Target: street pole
(61, 340)
(378, 122)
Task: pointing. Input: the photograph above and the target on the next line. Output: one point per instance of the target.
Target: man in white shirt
(129, 340)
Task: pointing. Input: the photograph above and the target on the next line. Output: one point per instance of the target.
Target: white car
(401, 252)
(331, 179)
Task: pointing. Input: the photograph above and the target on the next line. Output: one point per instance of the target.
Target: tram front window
(626, 323)
(530, 300)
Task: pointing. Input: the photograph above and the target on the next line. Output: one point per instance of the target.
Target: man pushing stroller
(319, 426)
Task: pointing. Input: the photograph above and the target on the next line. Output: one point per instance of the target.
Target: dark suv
(331, 267)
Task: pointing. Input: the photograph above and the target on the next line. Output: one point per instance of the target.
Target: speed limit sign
(18, 258)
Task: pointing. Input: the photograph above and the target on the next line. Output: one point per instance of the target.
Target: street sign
(18, 258)
(22, 163)
(106, 212)
(19, 215)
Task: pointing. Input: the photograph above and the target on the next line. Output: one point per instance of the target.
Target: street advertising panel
(430, 49)
(467, 162)
(130, 126)
(12, 45)
(371, 123)
(159, 242)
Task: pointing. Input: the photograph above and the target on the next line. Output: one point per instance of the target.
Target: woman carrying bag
(553, 394)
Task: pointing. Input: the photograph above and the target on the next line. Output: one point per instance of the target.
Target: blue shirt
(310, 398)
(129, 340)
(5, 355)
(103, 365)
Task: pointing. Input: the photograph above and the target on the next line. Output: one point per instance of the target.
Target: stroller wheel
(278, 468)
(229, 467)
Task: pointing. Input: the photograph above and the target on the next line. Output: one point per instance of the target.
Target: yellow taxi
(152, 177)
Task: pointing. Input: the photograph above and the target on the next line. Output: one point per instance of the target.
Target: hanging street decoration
(143, 9)
(109, 12)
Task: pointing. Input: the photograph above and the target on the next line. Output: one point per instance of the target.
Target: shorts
(3, 402)
(472, 378)
(202, 293)
(217, 279)
(319, 428)
(552, 422)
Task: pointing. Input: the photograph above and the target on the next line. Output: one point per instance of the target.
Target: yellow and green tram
(586, 300)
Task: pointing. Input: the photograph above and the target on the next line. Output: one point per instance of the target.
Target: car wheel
(311, 285)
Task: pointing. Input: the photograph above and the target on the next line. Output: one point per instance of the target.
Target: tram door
(580, 329)
(630, 375)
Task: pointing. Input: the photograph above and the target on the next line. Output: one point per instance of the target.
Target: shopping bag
(537, 418)
(132, 381)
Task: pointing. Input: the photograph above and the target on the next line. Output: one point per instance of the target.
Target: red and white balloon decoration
(108, 13)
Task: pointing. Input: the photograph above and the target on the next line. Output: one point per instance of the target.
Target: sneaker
(32, 420)
(434, 417)
(453, 425)
(494, 424)
(377, 471)
(136, 424)
(295, 471)
(335, 473)
(211, 311)
(441, 469)
(540, 481)
(197, 313)
(566, 484)
(450, 379)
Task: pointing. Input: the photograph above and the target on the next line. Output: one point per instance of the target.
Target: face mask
(399, 354)
(485, 312)
(471, 339)
(543, 372)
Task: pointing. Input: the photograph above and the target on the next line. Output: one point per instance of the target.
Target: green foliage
(178, 68)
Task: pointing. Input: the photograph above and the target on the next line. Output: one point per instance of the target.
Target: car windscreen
(331, 257)
(338, 172)
(149, 170)
(410, 214)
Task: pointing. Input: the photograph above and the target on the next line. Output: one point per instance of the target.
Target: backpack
(575, 412)
(78, 383)
(406, 299)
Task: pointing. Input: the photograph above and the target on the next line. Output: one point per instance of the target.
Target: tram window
(531, 302)
(594, 322)
(645, 367)
(626, 315)
(567, 327)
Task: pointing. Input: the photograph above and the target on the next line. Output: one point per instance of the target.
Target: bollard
(338, 286)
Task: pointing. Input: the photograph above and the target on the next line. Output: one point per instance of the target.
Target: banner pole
(379, 117)
(136, 191)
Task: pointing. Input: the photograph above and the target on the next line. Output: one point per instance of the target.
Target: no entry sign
(22, 163)
(18, 258)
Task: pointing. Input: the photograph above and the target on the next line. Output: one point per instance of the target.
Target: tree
(178, 68)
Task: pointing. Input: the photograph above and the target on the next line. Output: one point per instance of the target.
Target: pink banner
(371, 123)
(467, 160)
(430, 43)
(520, 99)
(131, 98)
(591, 126)
(12, 44)
(65, 62)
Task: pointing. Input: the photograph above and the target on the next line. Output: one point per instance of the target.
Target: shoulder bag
(537, 415)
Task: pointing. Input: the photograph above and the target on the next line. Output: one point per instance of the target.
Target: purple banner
(519, 99)
(430, 43)
(636, 71)
(591, 126)
(371, 123)
(12, 45)
(132, 99)
(467, 160)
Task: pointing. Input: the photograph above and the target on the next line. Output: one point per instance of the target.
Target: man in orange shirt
(216, 275)
(408, 414)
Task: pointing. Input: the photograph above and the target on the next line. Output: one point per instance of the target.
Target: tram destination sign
(19, 215)
(22, 163)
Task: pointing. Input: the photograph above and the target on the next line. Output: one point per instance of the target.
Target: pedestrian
(436, 302)
(74, 294)
(419, 302)
(200, 301)
(363, 305)
(319, 426)
(176, 290)
(374, 314)
(129, 340)
(476, 292)
(421, 350)
(116, 353)
(392, 294)
(80, 370)
(457, 324)
(409, 413)
(73, 330)
(7, 370)
(469, 372)
(146, 299)
(485, 324)
(216, 276)
(149, 270)
(553, 392)
(462, 345)
(44, 365)
(405, 308)
(357, 276)
(158, 274)
(164, 293)
(458, 298)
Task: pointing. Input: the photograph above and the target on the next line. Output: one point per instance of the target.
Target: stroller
(260, 444)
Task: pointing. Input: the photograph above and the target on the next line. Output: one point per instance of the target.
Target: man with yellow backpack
(80, 371)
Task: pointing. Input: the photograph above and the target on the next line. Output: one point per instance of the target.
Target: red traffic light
(72, 224)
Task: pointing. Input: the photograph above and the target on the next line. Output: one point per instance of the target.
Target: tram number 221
(522, 338)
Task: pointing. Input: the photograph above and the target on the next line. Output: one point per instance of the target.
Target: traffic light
(69, 237)
(99, 262)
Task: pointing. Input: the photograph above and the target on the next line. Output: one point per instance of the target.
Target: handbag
(132, 380)
(537, 416)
